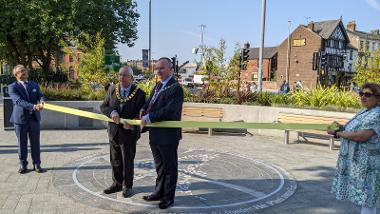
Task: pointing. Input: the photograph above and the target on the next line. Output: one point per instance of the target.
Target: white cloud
(374, 4)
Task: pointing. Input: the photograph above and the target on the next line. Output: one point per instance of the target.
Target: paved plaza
(219, 174)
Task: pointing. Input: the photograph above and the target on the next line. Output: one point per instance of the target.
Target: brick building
(363, 42)
(269, 64)
(316, 54)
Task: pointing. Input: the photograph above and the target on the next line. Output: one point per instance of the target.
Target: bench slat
(200, 119)
(203, 112)
(299, 118)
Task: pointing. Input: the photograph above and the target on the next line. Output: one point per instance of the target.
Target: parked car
(139, 77)
(187, 82)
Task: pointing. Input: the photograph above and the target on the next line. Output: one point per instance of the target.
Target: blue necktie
(124, 93)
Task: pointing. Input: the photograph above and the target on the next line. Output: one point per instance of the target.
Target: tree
(92, 70)
(234, 67)
(367, 68)
(115, 19)
(31, 30)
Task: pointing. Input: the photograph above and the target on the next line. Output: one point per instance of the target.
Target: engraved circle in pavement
(207, 180)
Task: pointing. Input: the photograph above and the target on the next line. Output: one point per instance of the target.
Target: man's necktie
(25, 85)
(155, 95)
(124, 93)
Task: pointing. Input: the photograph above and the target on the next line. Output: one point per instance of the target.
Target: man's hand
(143, 121)
(128, 126)
(115, 117)
(39, 106)
(141, 114)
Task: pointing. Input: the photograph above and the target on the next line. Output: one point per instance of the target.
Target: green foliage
(6, 79)
(323, 97)
(147, 86)
(67, 93)
(263, 98)
(367, 70)
(31, 30)
(92, 69)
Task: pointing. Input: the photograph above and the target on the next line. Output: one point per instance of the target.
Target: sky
(176, 23)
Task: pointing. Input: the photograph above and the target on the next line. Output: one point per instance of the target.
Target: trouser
(122, 155)
(32, 130)
(166, 161)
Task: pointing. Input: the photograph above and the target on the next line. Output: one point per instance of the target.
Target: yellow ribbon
(190, 124)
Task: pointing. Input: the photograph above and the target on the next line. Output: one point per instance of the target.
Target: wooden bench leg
(286, 137)
(298, 137)
(210, 132)
(331, 143)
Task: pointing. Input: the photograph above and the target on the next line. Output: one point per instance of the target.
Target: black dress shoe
(165, 204)
(151, 197)
(112, 189)
(38, 168)
(127, 192)
(22, 170)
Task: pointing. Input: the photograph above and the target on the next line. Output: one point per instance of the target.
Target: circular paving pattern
(208, 182)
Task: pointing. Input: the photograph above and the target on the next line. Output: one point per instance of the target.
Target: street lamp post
(287, 55)
(260, 71)
(202, 44)
(150, 36)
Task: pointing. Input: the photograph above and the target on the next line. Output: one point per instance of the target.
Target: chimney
(311, 25)
(351, 26)
(375, 32)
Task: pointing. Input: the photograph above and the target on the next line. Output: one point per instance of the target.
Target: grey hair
(128, 69)
(18, 67)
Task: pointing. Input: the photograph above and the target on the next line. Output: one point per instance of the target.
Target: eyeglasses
(365, 94)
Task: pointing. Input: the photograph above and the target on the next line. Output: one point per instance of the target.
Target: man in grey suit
(123, 100)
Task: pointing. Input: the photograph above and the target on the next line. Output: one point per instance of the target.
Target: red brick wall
(253, 67)
(301, 58)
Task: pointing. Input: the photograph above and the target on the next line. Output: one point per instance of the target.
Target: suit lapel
(131, 90)
(171, 82)
(29, 89)
(22, 90)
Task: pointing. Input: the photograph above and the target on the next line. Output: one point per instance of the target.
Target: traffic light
(245, 54)
(175, 65)
(323, 59)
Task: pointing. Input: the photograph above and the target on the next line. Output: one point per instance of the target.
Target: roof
(362, 34)
(350, 46)
(326, 28)
(268, 53)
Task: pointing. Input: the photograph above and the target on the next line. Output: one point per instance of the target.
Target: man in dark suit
(27, 103)
(123, 100)
(164, 104)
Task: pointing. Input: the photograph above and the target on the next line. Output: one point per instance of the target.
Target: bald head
(163, 68)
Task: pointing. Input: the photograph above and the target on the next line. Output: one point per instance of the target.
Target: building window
(350, 67)
(361, 46)
(366, 46)
(351, 54)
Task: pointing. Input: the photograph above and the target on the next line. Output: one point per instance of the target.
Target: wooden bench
(309, 119)
(202, 114)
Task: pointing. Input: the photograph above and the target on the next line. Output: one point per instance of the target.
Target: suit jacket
(167, 107)
(23, 101)
(127, 110)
